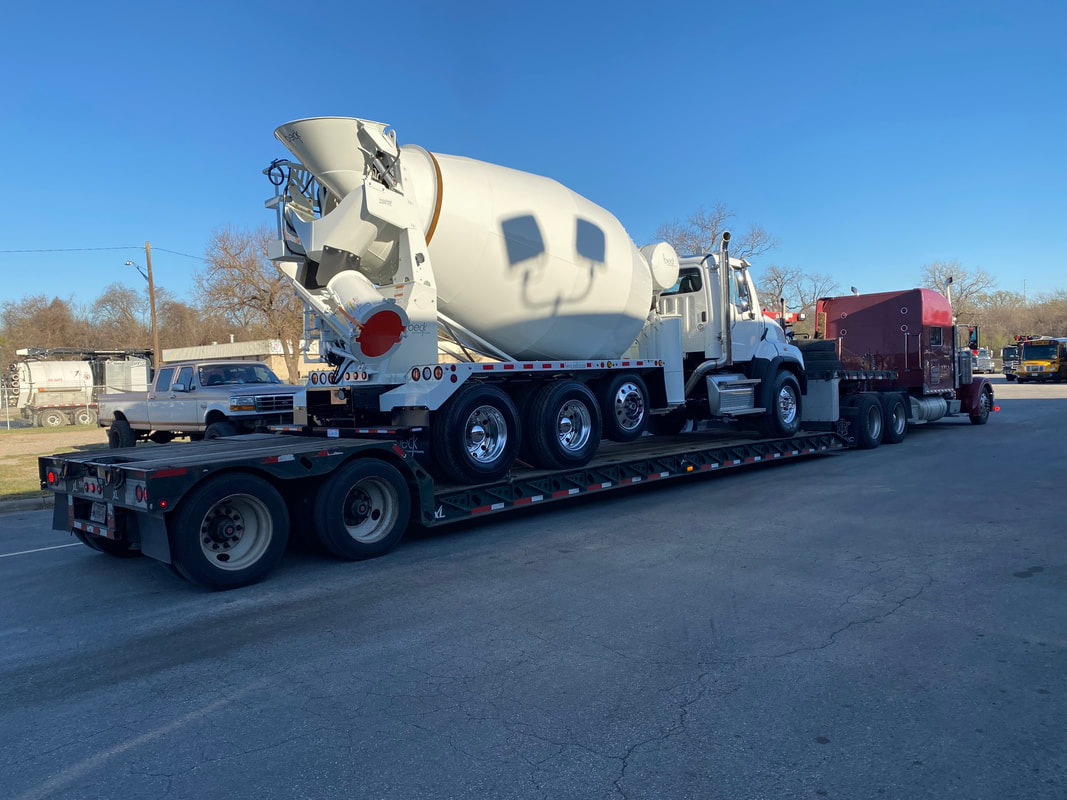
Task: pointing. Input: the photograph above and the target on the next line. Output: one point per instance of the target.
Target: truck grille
(267, 403)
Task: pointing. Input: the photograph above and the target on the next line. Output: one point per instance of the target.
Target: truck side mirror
(179, 387)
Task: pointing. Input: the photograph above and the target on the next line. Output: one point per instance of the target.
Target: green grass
(18, 472)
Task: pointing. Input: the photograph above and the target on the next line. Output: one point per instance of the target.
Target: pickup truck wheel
(52, 418)
(117, 548)
(362, 511)
(562, 426)
(217, 430)
(229, 531)
(624, 403)
(782, 419)
(985, 405)
(85, 416)
(120, 434)
(869, 422)
(895, 419)
(476, 434)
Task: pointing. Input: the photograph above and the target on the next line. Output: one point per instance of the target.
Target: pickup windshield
(227, 374)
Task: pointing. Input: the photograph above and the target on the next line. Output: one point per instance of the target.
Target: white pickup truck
(201, 400)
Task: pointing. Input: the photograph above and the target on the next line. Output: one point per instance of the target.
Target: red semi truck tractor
(898, 360)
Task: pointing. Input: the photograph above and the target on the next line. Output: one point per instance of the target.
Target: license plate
(99, 513)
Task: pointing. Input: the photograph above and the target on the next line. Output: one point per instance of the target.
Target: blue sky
(870, 138)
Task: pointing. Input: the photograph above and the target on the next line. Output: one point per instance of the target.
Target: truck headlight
(242, 404)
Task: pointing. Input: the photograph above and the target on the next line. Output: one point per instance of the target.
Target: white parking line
(39, 550)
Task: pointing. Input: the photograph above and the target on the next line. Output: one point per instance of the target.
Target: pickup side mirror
(179, 387)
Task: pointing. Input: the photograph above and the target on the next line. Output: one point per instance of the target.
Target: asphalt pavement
(869, 624)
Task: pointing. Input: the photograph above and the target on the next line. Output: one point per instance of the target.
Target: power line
(92, 249)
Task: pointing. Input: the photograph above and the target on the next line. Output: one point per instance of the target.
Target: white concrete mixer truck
(557, 328)
(477, 332)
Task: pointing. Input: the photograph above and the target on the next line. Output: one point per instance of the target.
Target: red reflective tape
(565, 492)
(169, 473)
(705, 467)
(399, 450)
(483, 509)
(270, 460)
(752, 459)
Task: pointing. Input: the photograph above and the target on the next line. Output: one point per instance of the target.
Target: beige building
(269, 351)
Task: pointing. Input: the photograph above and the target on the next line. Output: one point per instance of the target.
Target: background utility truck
(478, 331)
(60, 386)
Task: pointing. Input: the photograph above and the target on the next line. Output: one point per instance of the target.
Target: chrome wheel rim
(485, 435)
(787, 406)
(236, 532)
(629, 406)
(574, 426)
(874, 422)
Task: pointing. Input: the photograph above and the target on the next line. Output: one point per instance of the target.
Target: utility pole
(156, 360)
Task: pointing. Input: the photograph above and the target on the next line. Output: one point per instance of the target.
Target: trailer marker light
(51, 476)
(996, 408)
(416, 373)
(163, 504)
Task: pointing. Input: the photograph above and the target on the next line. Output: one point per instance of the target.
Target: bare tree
(120, 318)
(701, 231)
(244, 286)
(969, 286)
(779, 283)
(36, 321)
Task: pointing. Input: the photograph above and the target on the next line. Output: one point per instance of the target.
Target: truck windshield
(1009, 353)
(228, 374)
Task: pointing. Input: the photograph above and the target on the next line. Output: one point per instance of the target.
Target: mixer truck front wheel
(783, 417)
(562, 426)
(362, 511)
(624, 402)
(476, 434)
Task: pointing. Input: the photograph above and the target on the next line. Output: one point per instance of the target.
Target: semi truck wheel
(84, 416)
(894, 418)
(985, 405)
(120, 434)
(782, 419)
(362, 511)
(869, 422)
(562, 426)
(229, 531)
(119, 549)
(52, 418)
(475, 435)
(624, 404)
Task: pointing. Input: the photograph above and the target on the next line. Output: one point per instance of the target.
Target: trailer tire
(120, 548)
(216, 430)
(229, 531)
(85, 416)
(782, 419)
(870, 422)
(894, 418)
(562, 426)
(120, 434)
(985, 405)
(1009, 378)
(624, 405)
(52, 418)
(476, 435)
(362, 511)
